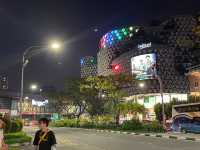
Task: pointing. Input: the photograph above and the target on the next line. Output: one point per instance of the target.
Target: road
(79, 139)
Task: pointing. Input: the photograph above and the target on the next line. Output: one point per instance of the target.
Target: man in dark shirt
(44, 138)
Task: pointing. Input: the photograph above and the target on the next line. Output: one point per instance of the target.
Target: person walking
(44, 138)
(3, 146)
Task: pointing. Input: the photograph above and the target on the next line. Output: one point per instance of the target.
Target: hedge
(13, 126)
(131, 125)
(18, 137)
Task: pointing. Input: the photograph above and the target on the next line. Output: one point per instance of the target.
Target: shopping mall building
(166, 49)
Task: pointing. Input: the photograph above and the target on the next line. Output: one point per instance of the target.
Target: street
(79, 139)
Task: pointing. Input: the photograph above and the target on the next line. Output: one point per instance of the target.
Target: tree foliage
(98, 95)
(72, 90)
(58, 101)
(134, 108)
(104, 91)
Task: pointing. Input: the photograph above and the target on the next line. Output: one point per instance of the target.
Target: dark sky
(32, 22)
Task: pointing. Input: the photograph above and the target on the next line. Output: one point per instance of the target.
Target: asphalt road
(78, 139)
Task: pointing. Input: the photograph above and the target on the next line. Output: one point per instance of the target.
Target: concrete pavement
(79, 139)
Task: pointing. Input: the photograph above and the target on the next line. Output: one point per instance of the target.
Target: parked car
(186, 124)
(193, 127)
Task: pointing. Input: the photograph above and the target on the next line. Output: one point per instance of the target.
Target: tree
(92, 88)
(133, 108)
(59, 102)
(72, 90)
(104, 91)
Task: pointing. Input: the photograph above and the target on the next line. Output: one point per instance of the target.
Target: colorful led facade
(116, 36)
(114, 43)
(88, 66)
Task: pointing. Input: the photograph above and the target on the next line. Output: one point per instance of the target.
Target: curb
(20, 144)
(162, 135)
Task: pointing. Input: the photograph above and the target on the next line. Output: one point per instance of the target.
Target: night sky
(26, 23)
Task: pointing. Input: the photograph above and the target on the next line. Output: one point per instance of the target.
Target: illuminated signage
(144, 45)
(39, 103)
(143, 66)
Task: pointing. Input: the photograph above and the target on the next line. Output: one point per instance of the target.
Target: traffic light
(4, 82)
(116, 68)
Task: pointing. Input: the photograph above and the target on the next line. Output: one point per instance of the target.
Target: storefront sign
(39, 103)
(144, 45)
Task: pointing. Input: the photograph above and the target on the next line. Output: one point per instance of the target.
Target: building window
(196, 84)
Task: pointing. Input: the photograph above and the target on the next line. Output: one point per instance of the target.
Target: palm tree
(132, 108)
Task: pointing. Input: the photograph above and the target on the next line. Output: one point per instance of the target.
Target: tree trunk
(117, 118)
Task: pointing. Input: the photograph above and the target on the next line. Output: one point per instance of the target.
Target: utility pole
(162, 99)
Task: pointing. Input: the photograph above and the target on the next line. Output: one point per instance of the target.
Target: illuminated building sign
(39, 103)
(143, 66)
(146, 45)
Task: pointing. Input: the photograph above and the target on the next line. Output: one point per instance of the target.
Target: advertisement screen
(143, 66)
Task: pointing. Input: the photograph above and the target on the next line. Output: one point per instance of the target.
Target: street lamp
(33, 87)
(141, 85)
(26, 98)
(103, 95)
(53, 46)
(162, 99)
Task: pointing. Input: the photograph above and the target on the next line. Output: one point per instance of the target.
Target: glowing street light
(55, 45)
(103, 95)
(33, 87)
(141, 85)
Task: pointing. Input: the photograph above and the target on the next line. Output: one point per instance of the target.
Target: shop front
(150, 100)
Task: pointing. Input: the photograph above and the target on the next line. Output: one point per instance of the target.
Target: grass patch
(19, 137)
(190, 139)
(14, 148)
(147, 134)
(158, 135)
(173, 137)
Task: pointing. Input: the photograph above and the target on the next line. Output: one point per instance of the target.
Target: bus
(186, 116)
(190, 110)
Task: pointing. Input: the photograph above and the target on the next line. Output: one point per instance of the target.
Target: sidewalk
(29, 147)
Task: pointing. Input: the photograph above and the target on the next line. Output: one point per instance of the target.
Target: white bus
(187, 117)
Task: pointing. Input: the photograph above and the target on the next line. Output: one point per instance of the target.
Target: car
(193, 127)
(184, 123)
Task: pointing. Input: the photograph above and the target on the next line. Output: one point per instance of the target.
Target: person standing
(3, 146)
(44, 138)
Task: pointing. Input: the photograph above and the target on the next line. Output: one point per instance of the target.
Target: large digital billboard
(144, 66)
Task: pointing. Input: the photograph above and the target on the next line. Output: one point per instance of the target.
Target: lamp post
(161, 93)
(141, 85)
(54, 46)
(34, 87)
(162, 99)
